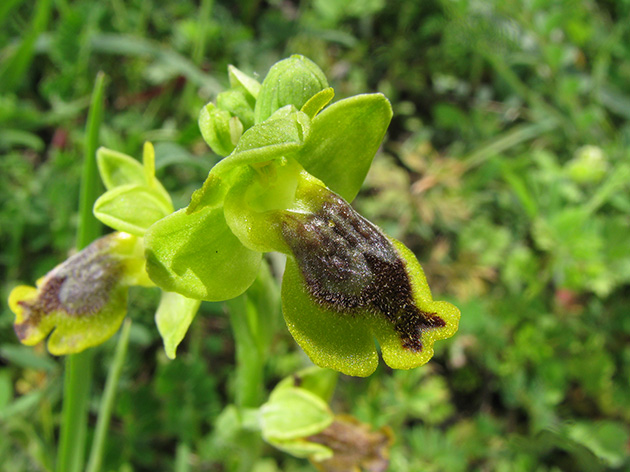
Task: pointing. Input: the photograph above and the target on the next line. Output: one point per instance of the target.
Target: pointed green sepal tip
(346, 284)
(83, 300)
(292, 81)
(135, 198)
(239, 80)
(196, 255)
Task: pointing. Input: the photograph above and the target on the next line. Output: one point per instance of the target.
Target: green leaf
(132, 208)
(197, 256)
(173, 318)
(606, 439)
(343, 140)
(118, 169)
(292, 81)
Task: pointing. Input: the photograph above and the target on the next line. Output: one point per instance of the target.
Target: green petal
(173, 318)
(132, 208)
(293, 413)
(331, 339)
(290, 417)
(84, 299)
(343, 140)
(317, 102)
(197, 256)
(236, 103)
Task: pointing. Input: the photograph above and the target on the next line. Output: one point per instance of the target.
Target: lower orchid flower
(84, 299)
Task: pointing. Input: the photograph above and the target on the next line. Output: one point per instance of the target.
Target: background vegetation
(506, 169)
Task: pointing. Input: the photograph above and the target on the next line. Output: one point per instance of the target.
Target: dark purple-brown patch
(80, 286)
(349, 265)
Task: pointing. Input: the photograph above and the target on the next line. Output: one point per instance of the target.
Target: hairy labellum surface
(350, 266)
(80, 286)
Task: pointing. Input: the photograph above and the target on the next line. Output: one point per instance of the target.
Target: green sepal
(292, 81)
(173, 317)
(272, 140)
(343, 140)
(235, 102)
(239, 80)
(197, 256)
(292, 415)
(218, 129)
(132, 208)
(118, 169)
(318, 101)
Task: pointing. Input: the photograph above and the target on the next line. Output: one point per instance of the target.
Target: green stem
(107, 401)
(89, 227)
(249, 361)
(182, 458)
(78, 375)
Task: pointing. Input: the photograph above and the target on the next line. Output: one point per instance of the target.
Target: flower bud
(219, 129)
(291, 81)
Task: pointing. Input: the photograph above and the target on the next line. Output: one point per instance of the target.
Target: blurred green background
(506, 169)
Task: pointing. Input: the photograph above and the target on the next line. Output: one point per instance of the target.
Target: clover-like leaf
(197, 256)
(173, 318)
(343, 140)
(132, 208)
(83, 300)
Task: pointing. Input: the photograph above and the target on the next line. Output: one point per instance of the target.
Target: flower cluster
(293, 163)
